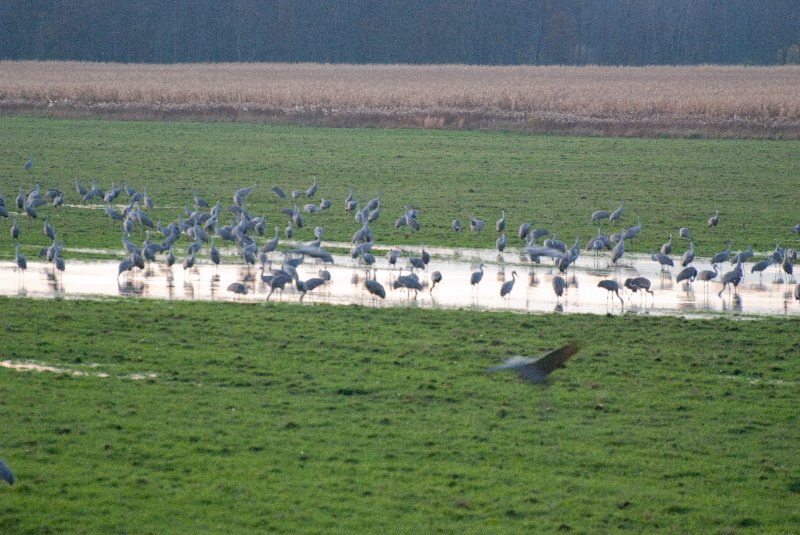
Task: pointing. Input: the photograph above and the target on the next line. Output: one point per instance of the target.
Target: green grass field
(551, 181)
(321, 419)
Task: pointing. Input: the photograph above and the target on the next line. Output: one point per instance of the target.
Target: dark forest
(534, 32)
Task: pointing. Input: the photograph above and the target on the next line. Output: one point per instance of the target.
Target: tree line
(534, 32)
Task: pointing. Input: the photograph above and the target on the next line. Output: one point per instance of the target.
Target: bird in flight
(536, 369)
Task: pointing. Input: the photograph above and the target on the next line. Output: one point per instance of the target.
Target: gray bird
(638, 283)
(313, 188)
(375, 288)
(237, 288)
(507, 286)
(713, 221)
(722, 256)
(612, 286)
(279, 192)
(663, 259)
(616, 215)
(732, 277)
(308, 285)
(476, 276)
(687, 274)
(536, 369)
(436, 278)
(22, 262)
(501, 223)
(5, 473)
(707, 274)
(666, 249)
(599, 215)
(688, 256)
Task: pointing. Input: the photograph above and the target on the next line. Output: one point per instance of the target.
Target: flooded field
(770, 294)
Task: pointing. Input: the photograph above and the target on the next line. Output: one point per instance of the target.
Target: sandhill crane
(535, 370)
(375, 288)
(599, 215)
(313, 188)
(722, 256)
(501, 223)
(616, 215)
(732, 277)
(507, 286)
(714, 219)
(238, 288)
(684, 233)
(662, 259)
(409, 282)
(638, 283)
(618, 251)
(687, 274)
(22, 263)
(214, 253)
(634, 231)
(308, 285)
(475, 224)
(666, 249)
(476, 276)
(524, 229)
(707, 275)
(612, 286)
(436, 278)
(688, 256)
(500, 243)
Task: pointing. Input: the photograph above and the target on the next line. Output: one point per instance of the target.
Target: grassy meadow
(281, 418)
(552, 181)
(289, 419)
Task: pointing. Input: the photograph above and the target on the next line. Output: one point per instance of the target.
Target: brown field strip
(709, 101)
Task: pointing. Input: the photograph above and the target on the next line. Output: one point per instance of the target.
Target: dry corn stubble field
(703, 101)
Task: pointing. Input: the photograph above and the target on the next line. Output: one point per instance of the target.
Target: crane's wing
(5, 473)
(513, 363)
(536, 370)
(556, 358)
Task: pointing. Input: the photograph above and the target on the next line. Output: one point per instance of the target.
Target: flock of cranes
(202, 224)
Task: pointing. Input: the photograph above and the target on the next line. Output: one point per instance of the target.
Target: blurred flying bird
(536, 369)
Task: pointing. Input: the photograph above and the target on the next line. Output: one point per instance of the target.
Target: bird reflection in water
(131, 287)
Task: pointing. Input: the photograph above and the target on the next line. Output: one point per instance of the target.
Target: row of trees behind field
(610, 32)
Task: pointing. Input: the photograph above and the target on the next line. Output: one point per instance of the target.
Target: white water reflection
(27, 366)
(768, 295)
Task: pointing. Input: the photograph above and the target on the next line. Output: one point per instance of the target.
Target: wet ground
(770, 294)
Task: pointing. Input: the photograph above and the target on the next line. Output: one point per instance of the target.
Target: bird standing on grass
(713, 221)
(536, 369)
